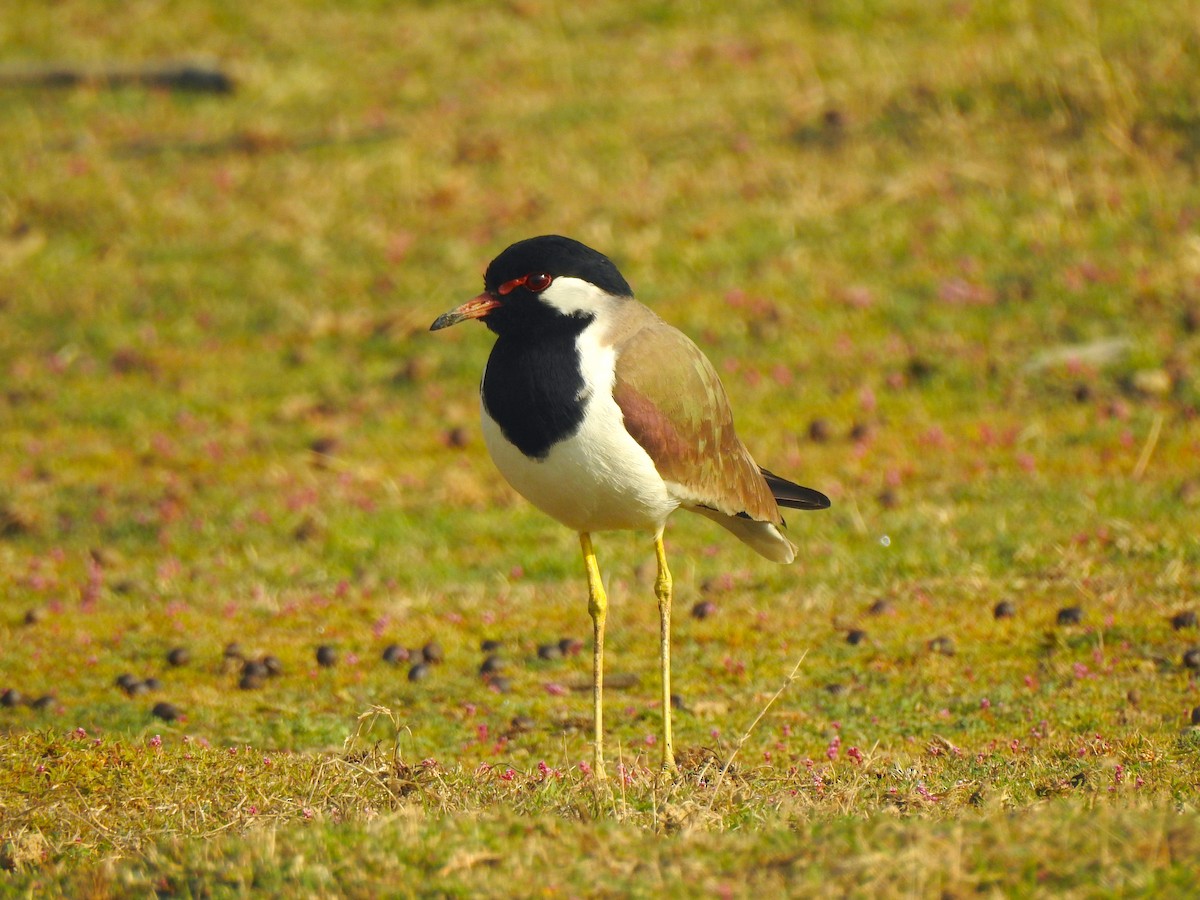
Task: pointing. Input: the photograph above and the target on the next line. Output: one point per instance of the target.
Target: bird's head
(539, 283)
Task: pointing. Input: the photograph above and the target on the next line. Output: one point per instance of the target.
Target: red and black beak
(475, 308)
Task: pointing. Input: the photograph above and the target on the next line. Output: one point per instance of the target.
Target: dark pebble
(152, 684)
(489, 646)
(920, 369)
(1191, 658)
(500, 684)
(943, 645)
(323, 446)
(252, 680)
(326, 656)
(418, 672)
(522, 723)
(1070, 615)
(273, 665)
(549, 651)
(11, 697)
(233, 650)
(1189, 319)
(859, 431)
(129, 684)
(35, 615)
(704, 609)
(677, 702)
(433, 652)
(1196, 715)
(819, 431)
(1004, 610)
(855, 636)
(570, 646)
(1083, 393)
(165, 711)
(888, 499)
(43, 702)
(179, 656)
(395, 654)
(879, 607)
(491, 665)
(1185, 619)
(834, 689)
(456, 437)
(255, 668)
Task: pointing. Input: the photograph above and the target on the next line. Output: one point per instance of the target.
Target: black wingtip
(790, 495)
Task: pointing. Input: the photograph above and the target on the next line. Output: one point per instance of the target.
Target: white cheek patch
(574, 296)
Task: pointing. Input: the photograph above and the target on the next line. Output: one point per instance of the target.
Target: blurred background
(944, 255)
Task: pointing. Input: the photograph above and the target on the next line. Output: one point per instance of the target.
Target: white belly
(600, 478)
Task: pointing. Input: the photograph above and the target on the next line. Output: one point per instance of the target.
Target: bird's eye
(538, 283)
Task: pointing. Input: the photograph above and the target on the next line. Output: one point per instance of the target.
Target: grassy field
(946, 257)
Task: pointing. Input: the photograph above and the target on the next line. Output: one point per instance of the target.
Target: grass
(954, 242)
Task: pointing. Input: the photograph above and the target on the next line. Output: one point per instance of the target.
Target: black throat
(533, 386)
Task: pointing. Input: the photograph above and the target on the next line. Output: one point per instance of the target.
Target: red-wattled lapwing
(605, 417)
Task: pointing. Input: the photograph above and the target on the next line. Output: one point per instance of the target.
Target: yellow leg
(598, 609)
(662, 589)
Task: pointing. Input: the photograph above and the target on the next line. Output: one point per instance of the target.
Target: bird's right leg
(598, 608)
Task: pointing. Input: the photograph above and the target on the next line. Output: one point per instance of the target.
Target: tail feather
(764, 537)
(793, 496)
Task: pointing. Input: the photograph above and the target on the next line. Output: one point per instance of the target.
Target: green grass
(889, 216)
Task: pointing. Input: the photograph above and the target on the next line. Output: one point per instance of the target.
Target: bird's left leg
(662, 590)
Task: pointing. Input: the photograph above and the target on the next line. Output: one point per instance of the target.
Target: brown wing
(676, 408)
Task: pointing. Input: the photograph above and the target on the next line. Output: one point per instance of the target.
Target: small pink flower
(156, 741)
(855, 754)
(985, 703)
(585, 768)
(554, 689)
(252, 810)
(507, 775)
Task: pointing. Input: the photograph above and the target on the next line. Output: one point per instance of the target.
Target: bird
(607, 418)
